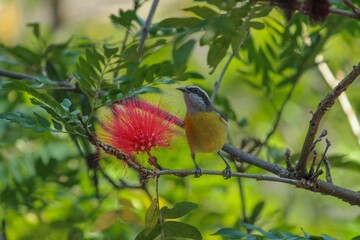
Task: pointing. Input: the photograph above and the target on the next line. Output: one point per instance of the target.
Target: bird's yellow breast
(205, 131)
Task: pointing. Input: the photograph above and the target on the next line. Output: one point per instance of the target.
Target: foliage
(56, 183)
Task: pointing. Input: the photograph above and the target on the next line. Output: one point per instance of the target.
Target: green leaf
(57, 125)
(42, 121)
(217, 51)
(260, 11)
(25, 55)
(35, 28)
(258, 229)
(256, 212)
(179, 22)
(181, 56)
(125, 18)
(109, 52)
(75, 234)
(22, 120)
(342, 161)
(236, 42)
(179, 229)
(54, 108)
(256, 25)
(179, 210)
(202, 11)
(231, 233)
(152, 215)
(193, 75)
(105, 221)
(145, 235)
(66, 103)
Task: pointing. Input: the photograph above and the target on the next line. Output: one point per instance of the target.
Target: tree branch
(324, 105)
(344, 13)
(15, 75)
(20, 76)
(343, 99)
(147, 24)
(284, 176)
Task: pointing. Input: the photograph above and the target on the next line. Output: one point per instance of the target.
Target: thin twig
(279, 114)
(343, 99)
(344, 13)
(64, 86)
(324, 105)
(328, 168)
(288, 163)
(217, 83)
(322, 135)
(242, 199)
(232, 55)
(15, 75)
(352, 7)
(312, 167)
(146, 27)
(161, 221)
(328, 144)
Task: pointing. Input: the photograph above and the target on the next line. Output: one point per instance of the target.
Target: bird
(206, 127)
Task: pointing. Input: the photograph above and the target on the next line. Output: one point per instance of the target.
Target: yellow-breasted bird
(206, 127)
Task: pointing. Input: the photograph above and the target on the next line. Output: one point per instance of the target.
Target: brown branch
(324, 105)
(344, 194)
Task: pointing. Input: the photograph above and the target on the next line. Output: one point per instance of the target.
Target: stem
(64, 86)
(242, 199)
(324, 105)
(161, 221)
(343, 99)
(218, 82)
(147, 24)
(344, 13)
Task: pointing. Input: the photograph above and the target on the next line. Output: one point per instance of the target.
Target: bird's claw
(198, 172)
(226, 173)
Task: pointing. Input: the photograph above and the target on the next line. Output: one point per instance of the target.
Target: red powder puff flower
(138, 127)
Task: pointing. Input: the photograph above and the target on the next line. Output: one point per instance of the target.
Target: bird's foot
(226, 173)
(198, 172)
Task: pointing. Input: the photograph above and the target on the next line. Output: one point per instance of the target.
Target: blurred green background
(46, 186)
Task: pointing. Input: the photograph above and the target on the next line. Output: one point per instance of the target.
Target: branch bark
(283, 175)
(146, 27)
(20, 76)
(324, 105)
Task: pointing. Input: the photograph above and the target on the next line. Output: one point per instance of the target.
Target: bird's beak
(183, 89)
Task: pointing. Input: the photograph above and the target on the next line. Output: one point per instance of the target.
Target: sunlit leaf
(105, 221)
(202, 11)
